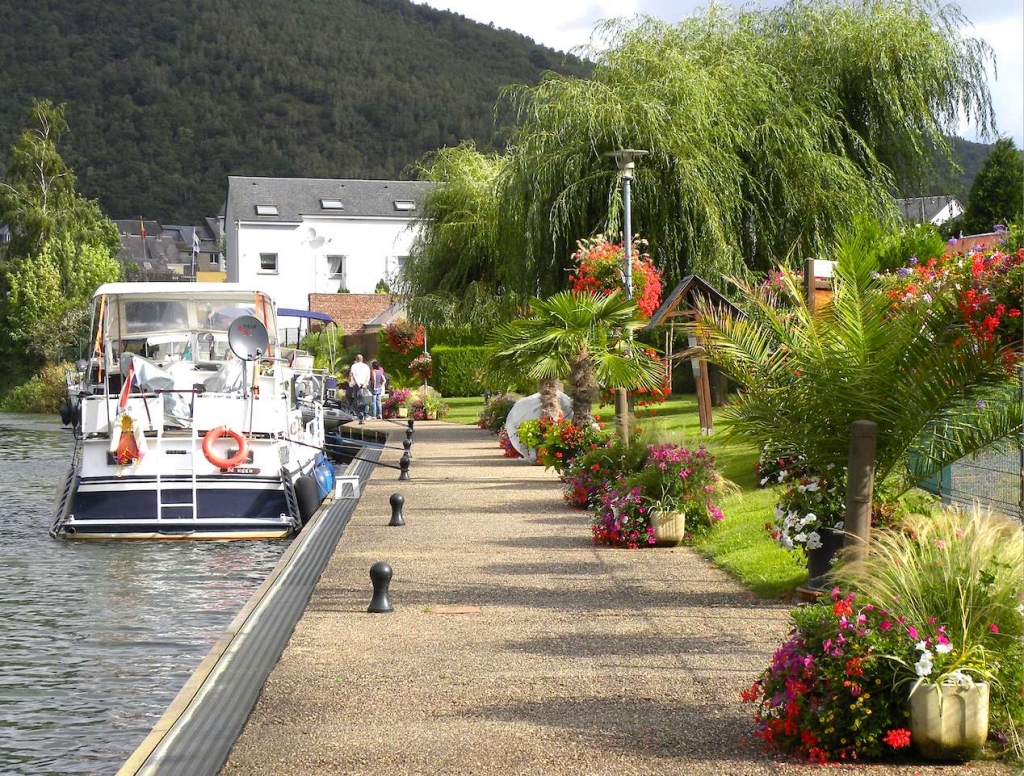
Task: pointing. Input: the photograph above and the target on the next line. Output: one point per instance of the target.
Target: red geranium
(599, 269)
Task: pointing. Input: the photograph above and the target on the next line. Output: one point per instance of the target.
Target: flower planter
(430, 415)
(403, 412)
(949, 721)
(819, 560)
(669, 527)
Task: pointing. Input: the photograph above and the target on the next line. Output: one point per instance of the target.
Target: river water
(96, 638)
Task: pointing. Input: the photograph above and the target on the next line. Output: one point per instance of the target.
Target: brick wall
(350, 311)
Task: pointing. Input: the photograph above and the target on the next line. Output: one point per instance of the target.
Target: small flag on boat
(126, 387)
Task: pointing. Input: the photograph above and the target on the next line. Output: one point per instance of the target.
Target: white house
(300, 236)
(930, 210)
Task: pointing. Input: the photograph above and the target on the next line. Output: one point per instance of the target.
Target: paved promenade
(516, 646)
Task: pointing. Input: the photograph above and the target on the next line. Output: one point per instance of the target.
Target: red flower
(897, 738)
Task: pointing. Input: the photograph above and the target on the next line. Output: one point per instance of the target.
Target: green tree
(61, 249)
(769, 130)
(579, 337)
(805, 377)
(997, 194)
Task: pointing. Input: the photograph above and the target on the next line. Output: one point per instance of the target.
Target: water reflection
(97, 637)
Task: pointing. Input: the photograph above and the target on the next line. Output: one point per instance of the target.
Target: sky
(564, 24)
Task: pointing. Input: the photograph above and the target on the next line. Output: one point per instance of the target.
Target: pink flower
(912, 631)
(993, 627)
(886, 624)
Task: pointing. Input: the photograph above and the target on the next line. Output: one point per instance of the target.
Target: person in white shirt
(358, 379)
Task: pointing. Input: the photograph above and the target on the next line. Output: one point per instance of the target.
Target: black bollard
(410, 424)
(407, 444)
(380, 576)
(487, 393)
(403, 464)
(397, 501)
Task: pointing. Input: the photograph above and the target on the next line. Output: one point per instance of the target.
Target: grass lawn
(740, 544)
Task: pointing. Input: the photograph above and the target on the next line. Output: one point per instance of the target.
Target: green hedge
(458, 371)
(455, 336)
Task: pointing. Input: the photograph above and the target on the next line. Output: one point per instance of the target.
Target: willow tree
(768, 130)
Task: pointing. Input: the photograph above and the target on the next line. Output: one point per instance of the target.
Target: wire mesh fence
(993, 479)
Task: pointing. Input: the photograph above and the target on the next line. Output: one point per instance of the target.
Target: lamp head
(624, 159)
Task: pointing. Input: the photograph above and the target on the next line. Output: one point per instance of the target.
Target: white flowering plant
(935, 659)
(810, 504)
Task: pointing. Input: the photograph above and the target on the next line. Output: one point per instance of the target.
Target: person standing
(359, 382)
(377, 382)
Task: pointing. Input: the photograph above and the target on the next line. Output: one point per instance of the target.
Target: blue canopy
(305, 314)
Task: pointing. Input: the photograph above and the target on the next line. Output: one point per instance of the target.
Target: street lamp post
(624, 159)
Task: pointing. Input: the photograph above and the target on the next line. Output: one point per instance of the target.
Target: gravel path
(516, 646)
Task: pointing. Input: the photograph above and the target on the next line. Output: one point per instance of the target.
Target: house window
(336, 267)
(214, 260)
(268, 262)
(401, 261)
(266, 210)
(331, 204)
(404, 205)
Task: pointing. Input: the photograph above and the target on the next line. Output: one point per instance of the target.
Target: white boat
(190, 422)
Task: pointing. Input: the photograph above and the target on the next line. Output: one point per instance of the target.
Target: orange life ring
(225, 463)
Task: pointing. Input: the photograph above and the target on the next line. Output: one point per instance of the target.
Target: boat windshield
(173, 329)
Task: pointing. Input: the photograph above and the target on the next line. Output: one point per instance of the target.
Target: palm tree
(805, 377)
(584, 338)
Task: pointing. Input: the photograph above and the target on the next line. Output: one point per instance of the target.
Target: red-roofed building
(359, 316)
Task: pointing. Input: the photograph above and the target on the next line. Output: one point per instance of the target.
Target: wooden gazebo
(680, 307)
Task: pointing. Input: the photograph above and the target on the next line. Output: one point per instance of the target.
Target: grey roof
(298, 197)
(158, 250)
(923, 209)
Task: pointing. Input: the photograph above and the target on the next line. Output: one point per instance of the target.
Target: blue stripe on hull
(210, 504)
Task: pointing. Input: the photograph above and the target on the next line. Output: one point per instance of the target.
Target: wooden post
(700, 377)
(809, 283)
(860, 487)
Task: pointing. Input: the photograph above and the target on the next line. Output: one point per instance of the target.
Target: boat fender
(65, 414)
(307, 496)
(225, 463)
(323, 472)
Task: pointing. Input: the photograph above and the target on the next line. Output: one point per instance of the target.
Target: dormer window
(404, 205)
(331, 204)
(266, 210)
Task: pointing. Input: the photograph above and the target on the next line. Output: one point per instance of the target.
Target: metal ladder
(63, 507)
(289, 496)
(162, 456)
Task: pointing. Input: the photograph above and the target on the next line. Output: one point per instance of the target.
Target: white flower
(923, 667)
(808, 520)
(839, 526)
(944, 649)
(800, 537)
(922, 645)
(782, 475)
(764, 480)
(813, 486)
(778, 513)
(786, 541)
(813, 540)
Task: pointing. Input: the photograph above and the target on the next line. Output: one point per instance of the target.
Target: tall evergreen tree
(997, 195)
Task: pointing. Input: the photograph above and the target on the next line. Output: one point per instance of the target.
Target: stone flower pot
(949, 721)
(669, 527)
(820, 559)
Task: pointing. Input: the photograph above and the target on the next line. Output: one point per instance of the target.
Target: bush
(828, 694)
(456, 336)
(672, 479)
(494, 415)
(593, 474)
(44, 392)
(459, 370)
(963, 569)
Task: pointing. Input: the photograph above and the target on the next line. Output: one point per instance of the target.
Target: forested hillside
(167, 97)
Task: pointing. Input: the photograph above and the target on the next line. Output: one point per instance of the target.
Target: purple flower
(904, 272)
(912, 261)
